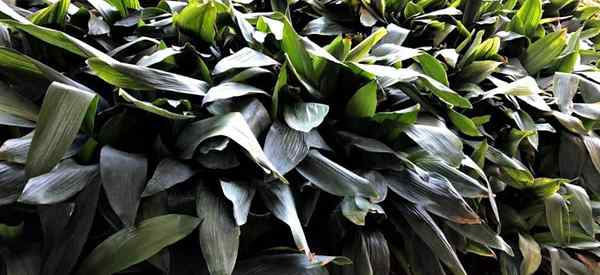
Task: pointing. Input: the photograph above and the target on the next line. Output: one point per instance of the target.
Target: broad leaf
(62, 113)
(133, 245)
(58, 185)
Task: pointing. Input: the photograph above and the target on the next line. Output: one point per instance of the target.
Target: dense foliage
(250, 137)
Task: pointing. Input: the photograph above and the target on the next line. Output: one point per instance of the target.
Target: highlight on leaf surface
(247, 137)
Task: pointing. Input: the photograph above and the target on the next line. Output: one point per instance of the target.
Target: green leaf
(463, 123)
(361, 50)
(582, 208)
(16, 104)
(532, 255)
(285, 147)
(244, 58)
(482, 234)
(324, 26)
(57, 38)
(303, 116)
(364, 102)
(149, 107)
(54, 14)
(230, 90)
(544, 51)
(334, 178)
(68, 243)
(61, 116)
(133, 245)
(123, 6)
(431, 234)
(218, 233)
(198, 18)
(466, 185)
(240, 194)
(433, 192)
(13, 61)
(432, 67)
(168, 173)
(12, 181)
(527, 19)
(60, 184)
(556, 215)
(478, 71)
(355, 209)
(287, 263)
(279, 200)
(525, 86)
(282, 79)
(298, 55)
(123, 177)
(438, 141)
(140, 78)
(231, 125)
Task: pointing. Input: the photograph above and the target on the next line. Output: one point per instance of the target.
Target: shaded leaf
(133, 245)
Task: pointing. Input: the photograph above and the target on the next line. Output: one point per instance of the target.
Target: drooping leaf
(285, 146)
(432, 192)
(218, 233)
(231, 125)
(305, 116)
(229, 90)
(334, 178)
(278, 198)
(293, 264)
(149, 107)
(425, 227)
(244, 58)
(140, 78)
(168, 173)
(240, 194)
(438, 141)
(130, 246)
(61, 183)
(12, 181)
(582, 208)
(65, 253)
(556, 214)
(123, 178)
(532, 256)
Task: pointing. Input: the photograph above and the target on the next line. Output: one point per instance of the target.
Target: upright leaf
(62, 113)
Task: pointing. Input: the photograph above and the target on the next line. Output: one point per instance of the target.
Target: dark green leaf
(123, 178)
(168, 173)
(285, 147)
(334, 178)
(62, 113)
(305, 116)
(231, 125)
(133, 245)
(218, 233)
(61, 183)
